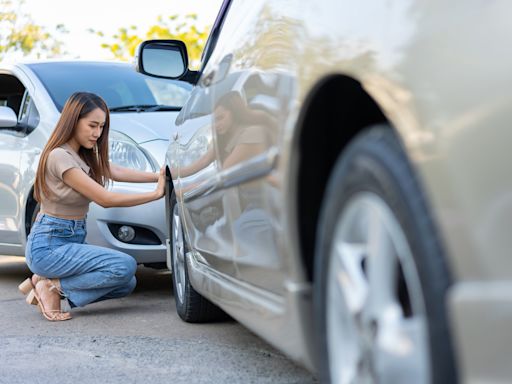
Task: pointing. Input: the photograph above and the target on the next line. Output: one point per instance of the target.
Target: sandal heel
(31, 298)
(26, 286)
(51, 314)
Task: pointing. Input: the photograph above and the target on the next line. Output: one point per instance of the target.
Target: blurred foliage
(19, 33)
(124, 43)
(272, 41)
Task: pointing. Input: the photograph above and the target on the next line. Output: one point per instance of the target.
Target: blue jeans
(56, 248)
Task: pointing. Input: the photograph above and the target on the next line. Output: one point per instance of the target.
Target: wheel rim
(376, 323)
(178, 259)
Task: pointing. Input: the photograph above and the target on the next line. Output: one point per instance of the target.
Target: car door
(9, 187)
(248, 105)
(15, 94)
(197, 184)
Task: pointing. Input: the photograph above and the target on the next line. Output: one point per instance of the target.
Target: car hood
(143, 126)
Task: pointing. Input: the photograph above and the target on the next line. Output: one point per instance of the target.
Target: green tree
(19, 34)
(123, 44)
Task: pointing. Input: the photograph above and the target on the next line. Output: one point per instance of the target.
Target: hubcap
(178, 257)
(376, 323)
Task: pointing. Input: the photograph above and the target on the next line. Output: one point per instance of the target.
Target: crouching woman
(73, 171)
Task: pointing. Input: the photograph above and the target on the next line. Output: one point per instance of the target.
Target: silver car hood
(144, 126)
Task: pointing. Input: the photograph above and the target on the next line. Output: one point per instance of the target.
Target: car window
(214, 35)
(117, 83)
(29, 115)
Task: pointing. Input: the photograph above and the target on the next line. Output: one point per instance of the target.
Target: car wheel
(190, 305)
(380, 276)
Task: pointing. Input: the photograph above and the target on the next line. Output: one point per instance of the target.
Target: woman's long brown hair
(77, 106)
(242, 114)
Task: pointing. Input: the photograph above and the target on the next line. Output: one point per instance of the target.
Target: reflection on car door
(197, 185)
(247, 106)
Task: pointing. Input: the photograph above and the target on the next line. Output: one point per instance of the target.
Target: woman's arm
(199, 164)
(131, 175)
(80, 182)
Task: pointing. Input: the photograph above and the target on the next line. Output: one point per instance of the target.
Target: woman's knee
(131, 285)
(132, 266)
(127, 288)
(125, 269)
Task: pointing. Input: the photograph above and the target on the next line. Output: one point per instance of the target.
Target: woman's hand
(160, 188)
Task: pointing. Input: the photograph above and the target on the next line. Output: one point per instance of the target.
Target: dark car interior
(14, 95)
(11, 92)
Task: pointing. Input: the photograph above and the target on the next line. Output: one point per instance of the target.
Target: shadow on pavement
(14, 268)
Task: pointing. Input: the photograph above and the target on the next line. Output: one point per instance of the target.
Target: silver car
(340, 184)
(32, 96)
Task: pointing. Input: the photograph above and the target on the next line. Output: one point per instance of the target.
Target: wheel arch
(30, 205)
(334, 112)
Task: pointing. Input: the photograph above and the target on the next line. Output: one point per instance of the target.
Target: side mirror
(166, 59)
(8, 118)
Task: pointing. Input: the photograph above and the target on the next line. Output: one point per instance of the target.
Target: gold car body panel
(438, 71)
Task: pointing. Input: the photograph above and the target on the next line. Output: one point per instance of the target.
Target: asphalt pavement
(137, 339)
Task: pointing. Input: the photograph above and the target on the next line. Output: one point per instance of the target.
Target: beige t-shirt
(251, 134)
(63, 200)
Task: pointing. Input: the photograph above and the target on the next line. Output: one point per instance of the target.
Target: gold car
(339, 183)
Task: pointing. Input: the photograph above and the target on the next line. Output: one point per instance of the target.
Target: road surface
(137, 339)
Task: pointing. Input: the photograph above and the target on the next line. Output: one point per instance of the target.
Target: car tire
(380, 277)
(191, 306)
(34, 207)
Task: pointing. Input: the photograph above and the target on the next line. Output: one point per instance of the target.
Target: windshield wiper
(145, 108)
(162, 107)
(132, 108)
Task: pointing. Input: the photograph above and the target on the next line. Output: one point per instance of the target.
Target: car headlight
(125, 152)
(197, 146)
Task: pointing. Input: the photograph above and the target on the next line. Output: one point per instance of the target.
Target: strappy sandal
(50, 314)
(28, 284)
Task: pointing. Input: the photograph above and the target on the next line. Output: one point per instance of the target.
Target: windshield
(117, 83)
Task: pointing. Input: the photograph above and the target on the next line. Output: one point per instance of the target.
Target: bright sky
(109, 15)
